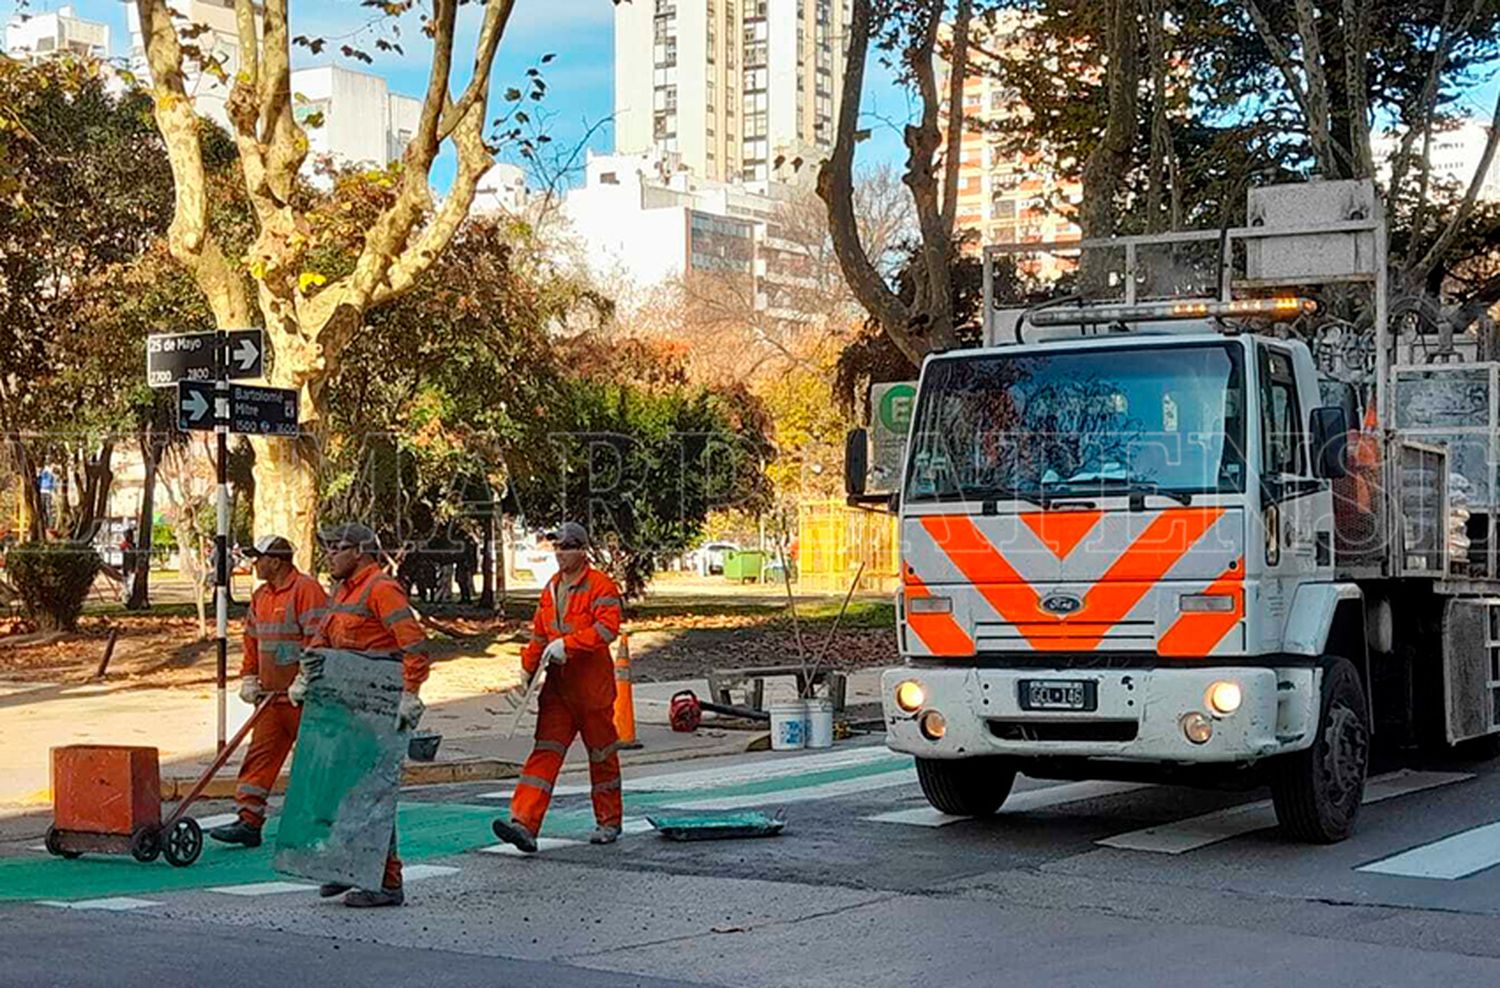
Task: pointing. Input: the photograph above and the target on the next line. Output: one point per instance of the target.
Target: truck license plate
(1059, 694)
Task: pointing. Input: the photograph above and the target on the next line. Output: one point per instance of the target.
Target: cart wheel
(184, 843)
(54, 845)
(145, 844)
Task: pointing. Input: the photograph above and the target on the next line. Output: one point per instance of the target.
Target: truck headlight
(910, 696)
(933, 725)
(1196, 727)
(1224, 697)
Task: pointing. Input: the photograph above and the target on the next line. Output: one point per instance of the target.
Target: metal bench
(753, 682)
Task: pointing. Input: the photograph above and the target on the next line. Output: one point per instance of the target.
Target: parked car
(709, 558)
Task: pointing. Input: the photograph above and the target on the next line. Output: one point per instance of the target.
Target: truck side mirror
(856, 461)
(1330, 436)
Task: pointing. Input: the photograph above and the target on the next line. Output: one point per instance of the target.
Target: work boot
(366, 899)
(605, 833)
(238, 832)
(514, 833)
(331, 889)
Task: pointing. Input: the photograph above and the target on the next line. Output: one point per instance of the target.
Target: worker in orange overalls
(575, 621)
(370, 612)
(284, 612)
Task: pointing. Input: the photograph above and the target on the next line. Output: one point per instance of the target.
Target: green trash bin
(743, 565)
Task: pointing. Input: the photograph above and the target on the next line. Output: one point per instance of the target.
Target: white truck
(1215, 530)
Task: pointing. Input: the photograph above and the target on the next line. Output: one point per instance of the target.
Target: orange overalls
(578, 697)
(281, 619)
(370, 612)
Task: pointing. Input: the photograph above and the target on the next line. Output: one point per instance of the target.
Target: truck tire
(966, 786)
(1317, 792)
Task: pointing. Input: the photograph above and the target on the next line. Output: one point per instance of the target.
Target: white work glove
(297, 692)
(556, 653)
(409, 712)
(250, 689)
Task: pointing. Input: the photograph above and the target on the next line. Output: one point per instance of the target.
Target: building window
(609, 178)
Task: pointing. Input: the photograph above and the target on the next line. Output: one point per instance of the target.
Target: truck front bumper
(1138, 713)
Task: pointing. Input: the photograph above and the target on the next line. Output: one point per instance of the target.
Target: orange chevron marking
(1061, 531)
(939, 632)
(1132, 575)
(1199, 633)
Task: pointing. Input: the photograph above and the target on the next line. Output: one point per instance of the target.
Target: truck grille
(1064, 730)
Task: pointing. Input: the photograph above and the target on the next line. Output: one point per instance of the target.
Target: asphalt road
(1072, 884)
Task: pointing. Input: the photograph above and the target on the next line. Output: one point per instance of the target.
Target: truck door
(1290, 496)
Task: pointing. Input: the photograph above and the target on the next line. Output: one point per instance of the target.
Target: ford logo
(1061, 603)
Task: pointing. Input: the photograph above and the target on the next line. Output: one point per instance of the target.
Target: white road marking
(1458, 856)
(543, 844)
(218, 820)
(263, 888)
(1021, 802)
(417, 872)
(803, 794)
(1210, 828)
(641, 826)
(112, 904)
(758, 771)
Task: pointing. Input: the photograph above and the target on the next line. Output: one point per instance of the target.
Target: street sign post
(250, 410)
(173, 357)
(200, 366)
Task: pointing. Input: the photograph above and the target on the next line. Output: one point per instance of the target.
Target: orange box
(105, 789)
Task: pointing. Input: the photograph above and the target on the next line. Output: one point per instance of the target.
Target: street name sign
(173, 357)
(250, 411)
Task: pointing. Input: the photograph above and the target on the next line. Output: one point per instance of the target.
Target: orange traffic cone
(624, 697)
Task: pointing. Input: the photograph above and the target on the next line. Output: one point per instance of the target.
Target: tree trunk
(1110, 159)
(286, 493)
(151, 449)
(487, 559)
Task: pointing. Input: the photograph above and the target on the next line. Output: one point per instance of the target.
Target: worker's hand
(297, 692)
(250, 689)
(556, 653)
(312, 664)
(409, 712)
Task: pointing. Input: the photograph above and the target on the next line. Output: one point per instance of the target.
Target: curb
(468, 769)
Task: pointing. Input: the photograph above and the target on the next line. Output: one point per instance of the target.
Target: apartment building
(738, 90)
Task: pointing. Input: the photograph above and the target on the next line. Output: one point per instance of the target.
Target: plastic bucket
(788, 726)
(819, 723)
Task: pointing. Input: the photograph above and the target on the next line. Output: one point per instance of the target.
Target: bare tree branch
(836, 189)
(1427, 101)
(496, 17)
(1419, 272)
(958, 76)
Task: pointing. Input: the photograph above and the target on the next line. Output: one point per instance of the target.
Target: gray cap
(352, 533)
(269, 545)
(570, 531)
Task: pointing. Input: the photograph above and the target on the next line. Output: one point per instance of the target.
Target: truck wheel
(966, 786)
(1317, 792)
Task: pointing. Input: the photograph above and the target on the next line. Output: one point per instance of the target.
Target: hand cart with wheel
(106, 799)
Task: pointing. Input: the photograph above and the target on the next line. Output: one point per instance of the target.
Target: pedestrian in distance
(576, 619)
(371, 613)
(285, 611)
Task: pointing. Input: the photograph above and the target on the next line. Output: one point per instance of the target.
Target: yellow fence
(833, 539)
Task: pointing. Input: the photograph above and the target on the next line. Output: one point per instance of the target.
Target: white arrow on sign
(246, 353)
(195, 405)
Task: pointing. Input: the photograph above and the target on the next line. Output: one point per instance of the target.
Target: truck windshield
(1037, 426)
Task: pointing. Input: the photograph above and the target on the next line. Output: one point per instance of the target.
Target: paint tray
(710, 825)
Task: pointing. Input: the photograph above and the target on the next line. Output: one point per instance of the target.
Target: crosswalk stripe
(1022, 802)
(262, 888)
(1458, 856)
(218, 820)
(1210, 828)
(118, 903)
(803, 794)
(417, 872)
(639, 826)
(543, 844)
(759, 771)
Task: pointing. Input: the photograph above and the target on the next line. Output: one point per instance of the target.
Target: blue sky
(580, 80)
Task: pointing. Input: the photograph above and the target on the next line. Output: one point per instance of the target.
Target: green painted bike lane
(426, 831)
